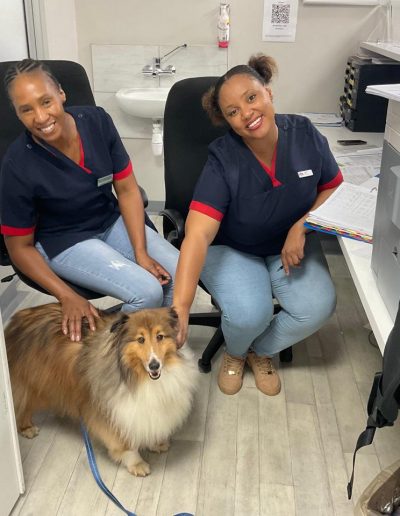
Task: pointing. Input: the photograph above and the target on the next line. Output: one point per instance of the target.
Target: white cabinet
(11, 478)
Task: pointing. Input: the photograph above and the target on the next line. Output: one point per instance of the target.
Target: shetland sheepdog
(125, 380)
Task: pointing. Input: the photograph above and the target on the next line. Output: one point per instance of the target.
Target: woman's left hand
(145, 261)
(293, 250)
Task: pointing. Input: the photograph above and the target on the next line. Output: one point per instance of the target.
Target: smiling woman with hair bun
(259, 183)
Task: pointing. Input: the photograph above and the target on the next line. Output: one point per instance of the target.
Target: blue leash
(98, 479)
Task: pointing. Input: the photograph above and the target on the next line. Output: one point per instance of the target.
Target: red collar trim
(82, 157)
(272, 171)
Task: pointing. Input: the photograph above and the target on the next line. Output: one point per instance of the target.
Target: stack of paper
(324, 119)
(388, 91)
(358, 166)
(348, 212)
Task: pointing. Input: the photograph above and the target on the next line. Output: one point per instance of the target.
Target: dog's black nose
(154, 365)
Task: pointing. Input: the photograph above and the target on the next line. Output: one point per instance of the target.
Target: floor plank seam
(69, 479)
(27, 492)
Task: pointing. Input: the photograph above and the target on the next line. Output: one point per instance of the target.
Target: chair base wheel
(204, 367)
(286, 355)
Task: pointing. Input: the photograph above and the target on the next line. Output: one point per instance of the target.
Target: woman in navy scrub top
(260, 181)
(58, 212)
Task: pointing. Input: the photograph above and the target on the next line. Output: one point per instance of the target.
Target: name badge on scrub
(104, 180)
(305, 173)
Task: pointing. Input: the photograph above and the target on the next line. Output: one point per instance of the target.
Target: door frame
(9, 412)
(36, 29)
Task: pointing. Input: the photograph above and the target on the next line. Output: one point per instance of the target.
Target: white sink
(143, 102)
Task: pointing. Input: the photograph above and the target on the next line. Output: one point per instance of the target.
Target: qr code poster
(280, 20)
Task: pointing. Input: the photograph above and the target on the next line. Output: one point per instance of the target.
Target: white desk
(358, 254)
(358, 258)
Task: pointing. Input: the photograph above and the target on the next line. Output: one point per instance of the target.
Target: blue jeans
(244, 285)
(106, 264)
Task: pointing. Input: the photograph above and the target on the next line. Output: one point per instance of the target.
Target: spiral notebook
(348, 212)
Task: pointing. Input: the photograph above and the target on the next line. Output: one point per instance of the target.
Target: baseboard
(154, 207)
(11, 298)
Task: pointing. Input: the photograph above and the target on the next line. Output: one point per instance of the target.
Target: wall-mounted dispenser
(157, 138)
(223, 24)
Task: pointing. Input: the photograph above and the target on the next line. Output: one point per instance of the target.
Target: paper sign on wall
(280, 20)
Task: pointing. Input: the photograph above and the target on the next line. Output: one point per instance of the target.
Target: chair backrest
(187, 133)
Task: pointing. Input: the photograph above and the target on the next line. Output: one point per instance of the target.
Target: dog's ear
(119, 323)
(173, 318)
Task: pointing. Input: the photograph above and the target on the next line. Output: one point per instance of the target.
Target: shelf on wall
(391, 50)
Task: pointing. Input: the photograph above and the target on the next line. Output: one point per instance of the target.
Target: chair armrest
(4, 258)
(144, 196)
(173, 226)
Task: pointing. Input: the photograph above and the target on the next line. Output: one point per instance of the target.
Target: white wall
(395, 32)
(58, 20)
(13, 45)
(311, 70)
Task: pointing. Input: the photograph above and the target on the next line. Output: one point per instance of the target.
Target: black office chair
(74, 81)
(187, 134)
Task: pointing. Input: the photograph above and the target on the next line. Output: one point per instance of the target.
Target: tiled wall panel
(120, 66)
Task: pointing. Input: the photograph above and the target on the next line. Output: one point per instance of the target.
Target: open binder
(348, 212)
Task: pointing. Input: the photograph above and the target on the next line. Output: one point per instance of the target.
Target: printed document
(280, 20)
(359, 166)
(349, 211)
(324, 119)
(388, 91)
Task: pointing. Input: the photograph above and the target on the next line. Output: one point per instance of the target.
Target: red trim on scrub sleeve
(206, 210)
(333, 183)
(122, 174)
(12, 231)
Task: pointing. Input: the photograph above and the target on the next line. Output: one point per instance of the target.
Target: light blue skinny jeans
(106, 264)
(244, 285)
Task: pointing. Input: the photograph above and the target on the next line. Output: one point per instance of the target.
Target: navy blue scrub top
(44, 192)
(257, 206)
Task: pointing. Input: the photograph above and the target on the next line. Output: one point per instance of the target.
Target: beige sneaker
(230, 376)
(266, 377)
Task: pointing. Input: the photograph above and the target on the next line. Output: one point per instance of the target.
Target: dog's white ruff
(156, 408)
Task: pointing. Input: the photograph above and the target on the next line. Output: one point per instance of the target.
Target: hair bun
(264, 65)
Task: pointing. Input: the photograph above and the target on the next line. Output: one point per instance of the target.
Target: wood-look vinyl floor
(242, 455)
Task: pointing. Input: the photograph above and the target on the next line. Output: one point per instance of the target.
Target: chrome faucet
(156, 69)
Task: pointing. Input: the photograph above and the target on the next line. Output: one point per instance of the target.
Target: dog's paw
(30, 432)
(160, 447)
(134, 463)
(142, 469)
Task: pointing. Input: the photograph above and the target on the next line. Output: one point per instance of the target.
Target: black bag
(384, 399)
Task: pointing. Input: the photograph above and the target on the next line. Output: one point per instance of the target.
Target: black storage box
(362, 111)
